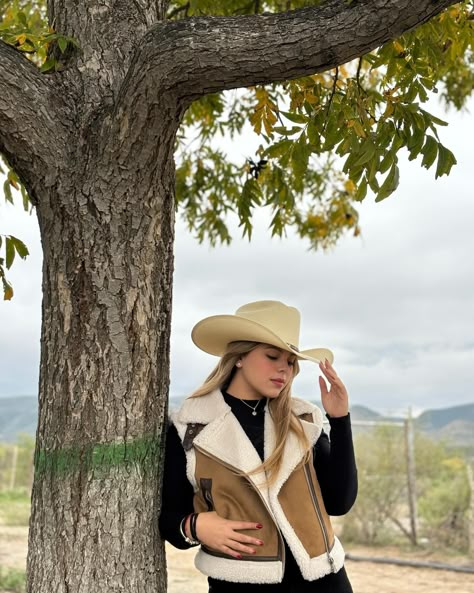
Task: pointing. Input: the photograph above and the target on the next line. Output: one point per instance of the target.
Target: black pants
(292, 582)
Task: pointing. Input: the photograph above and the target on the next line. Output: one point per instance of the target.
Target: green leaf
(446, 160)
(22, 18)
(48, 65)
(361, 190)
(7, 190)
(367, 152)
(20, 247)
(10, 249)
(430, 151)
(313, 133)
(287, 131)
(296, 118)
(300, 156)
(389, 185)
(63, 43)
(278, 149)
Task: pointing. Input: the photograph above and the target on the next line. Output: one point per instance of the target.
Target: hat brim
(213, 334)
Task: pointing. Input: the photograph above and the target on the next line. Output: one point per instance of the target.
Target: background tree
(380, 514)
(90, 125)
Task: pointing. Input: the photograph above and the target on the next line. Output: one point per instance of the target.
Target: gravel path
(366, 577)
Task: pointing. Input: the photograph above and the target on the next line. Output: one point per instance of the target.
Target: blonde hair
(279, 407)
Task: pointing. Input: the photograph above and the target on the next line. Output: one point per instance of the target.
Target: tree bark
(201, 55)
(93, 144)
(103, 387)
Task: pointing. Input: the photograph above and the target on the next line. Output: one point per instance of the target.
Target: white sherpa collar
(225, 439)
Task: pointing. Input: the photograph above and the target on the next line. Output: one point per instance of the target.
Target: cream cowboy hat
(268, 322)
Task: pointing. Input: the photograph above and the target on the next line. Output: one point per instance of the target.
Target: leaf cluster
(23, 25)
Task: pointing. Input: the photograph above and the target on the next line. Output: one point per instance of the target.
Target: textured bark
(34, 121)
(94, 145)
(208, 54)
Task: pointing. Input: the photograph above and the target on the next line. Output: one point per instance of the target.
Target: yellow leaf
(389, 110)
(349, 186)
(8, 293)
(21, 39)
(359, 130)
(398, 46)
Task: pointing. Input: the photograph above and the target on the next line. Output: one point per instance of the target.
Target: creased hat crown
(283, 320)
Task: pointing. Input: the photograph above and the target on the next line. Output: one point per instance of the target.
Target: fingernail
(260, 543)
(259, 526)
(239, 556)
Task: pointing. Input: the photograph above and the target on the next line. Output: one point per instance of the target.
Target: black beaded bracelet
(192, 526)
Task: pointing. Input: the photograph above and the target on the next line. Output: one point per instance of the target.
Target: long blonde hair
(279, 407)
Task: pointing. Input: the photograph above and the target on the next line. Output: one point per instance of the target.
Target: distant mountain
(17, 414)
(437, 419)
(455, 425)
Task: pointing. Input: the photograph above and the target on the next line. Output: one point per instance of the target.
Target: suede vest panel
(219, 457)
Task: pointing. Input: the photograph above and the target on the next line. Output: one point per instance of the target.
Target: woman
(249, 474)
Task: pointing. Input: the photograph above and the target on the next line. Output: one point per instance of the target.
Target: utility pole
(411, 479)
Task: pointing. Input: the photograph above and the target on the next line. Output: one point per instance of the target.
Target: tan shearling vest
(219, 456)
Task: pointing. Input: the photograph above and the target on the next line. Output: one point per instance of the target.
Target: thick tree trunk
(107, 278)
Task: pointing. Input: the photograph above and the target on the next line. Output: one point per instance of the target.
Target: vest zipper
(270, 512)
(320, 518)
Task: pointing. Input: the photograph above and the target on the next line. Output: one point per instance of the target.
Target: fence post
(470, 478)
(411, 479)
(14, 462)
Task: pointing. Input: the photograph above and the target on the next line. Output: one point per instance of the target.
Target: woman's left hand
(335, 400)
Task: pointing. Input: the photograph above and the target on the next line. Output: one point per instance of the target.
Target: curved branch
(32, 122)
(196, 56)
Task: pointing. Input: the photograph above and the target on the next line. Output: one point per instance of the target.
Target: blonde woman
(250, 476)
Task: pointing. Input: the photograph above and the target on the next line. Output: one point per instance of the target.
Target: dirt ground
(366, 577)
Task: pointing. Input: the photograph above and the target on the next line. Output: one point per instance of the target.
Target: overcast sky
(396, 305)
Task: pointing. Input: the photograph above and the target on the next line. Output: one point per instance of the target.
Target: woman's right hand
(225, 535)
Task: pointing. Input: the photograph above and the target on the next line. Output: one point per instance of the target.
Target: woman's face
(263, 372)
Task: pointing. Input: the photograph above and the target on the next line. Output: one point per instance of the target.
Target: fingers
(323, 386)
(328, 370)
(242, 525)
(238, 548)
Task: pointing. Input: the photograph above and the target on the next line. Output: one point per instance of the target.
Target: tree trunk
(107, 278)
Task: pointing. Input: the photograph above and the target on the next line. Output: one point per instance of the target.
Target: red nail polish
(259, 526)
(239, 556)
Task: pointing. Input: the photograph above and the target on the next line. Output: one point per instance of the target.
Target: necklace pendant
(254, 413)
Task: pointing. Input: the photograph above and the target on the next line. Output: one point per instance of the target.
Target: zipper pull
(332, 563)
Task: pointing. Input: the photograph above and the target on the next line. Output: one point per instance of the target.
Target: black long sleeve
(335, 466)
(177, 493)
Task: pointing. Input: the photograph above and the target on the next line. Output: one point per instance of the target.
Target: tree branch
(197, 56)
(32, 115)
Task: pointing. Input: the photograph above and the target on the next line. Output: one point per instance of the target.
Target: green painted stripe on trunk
(144, 452)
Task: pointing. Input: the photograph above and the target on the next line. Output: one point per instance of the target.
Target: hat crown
(282, 320)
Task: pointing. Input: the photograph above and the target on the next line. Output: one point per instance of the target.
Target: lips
(278, 382)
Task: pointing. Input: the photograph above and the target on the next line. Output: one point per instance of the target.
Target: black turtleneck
(335, 468)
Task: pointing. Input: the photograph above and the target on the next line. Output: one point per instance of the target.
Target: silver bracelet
(187, 539)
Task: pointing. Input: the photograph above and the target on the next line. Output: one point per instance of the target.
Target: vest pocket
(206, 489)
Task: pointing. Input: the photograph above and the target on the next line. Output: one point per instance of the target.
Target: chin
(273, 394)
